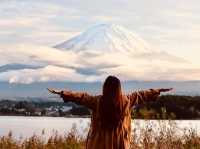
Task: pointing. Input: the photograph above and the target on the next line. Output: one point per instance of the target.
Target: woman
(111, 113)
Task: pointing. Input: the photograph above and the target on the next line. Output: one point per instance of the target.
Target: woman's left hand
(54, 91)
(165, 89)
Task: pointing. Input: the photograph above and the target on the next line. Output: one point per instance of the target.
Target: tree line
(165, 107)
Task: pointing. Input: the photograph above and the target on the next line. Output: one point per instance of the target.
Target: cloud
(154, 73)
(36, 55)
(19, 22)
(45, 74)
(16, 66)
(58, 65)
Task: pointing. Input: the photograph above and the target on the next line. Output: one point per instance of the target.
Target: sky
(29, 29)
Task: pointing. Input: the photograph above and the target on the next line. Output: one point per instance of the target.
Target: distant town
(166, 107)
(41, 108)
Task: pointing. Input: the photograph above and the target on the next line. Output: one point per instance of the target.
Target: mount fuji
(113, 39)
(106, 38)
(112, 49)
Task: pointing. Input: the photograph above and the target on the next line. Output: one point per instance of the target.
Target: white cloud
(48, 73)
(154, 73)
(36, 55)
(18, 22)
(63, 66)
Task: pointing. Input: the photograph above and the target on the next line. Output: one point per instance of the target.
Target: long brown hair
(111, 104)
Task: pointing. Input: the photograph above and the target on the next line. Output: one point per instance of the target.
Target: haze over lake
(19, 91)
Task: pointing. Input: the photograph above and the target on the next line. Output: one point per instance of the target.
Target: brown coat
(109, 139)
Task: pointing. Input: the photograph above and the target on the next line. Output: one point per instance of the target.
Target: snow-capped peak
(106, 38)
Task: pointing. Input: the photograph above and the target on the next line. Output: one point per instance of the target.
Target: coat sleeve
(141, 97)
(80, 98)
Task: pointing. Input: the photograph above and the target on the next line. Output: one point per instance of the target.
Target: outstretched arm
(144, 96)
(77, 97)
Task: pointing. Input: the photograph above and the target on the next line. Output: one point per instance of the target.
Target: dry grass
(148, 139)
(69, 141)
(169, 137)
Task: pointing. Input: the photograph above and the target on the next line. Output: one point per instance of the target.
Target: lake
(22, 127)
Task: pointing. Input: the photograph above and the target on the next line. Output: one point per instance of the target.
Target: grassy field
(148, 139)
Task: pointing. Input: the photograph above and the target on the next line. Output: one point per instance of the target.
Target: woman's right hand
(53, 91)
(165, 89)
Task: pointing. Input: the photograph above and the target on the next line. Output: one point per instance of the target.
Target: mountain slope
(106, 38)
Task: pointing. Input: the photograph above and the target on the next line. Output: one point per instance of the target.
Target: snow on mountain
(107, 38)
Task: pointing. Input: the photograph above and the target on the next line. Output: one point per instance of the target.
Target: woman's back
(110, 138)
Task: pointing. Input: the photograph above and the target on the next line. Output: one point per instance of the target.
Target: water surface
(27, 126)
